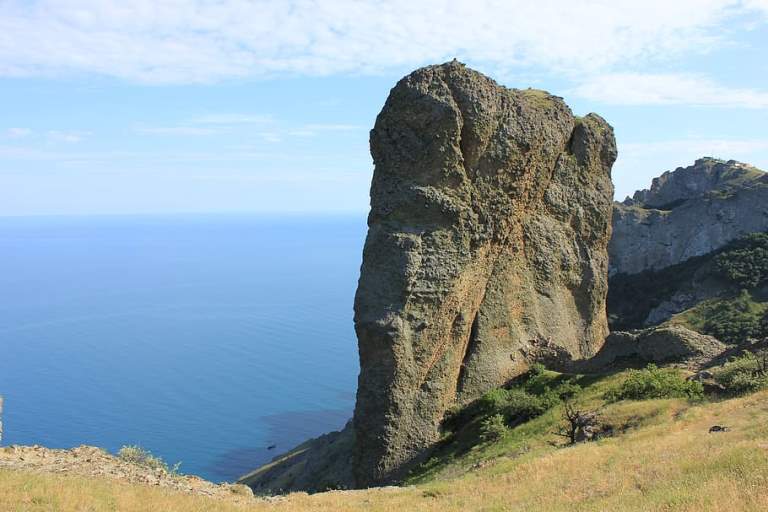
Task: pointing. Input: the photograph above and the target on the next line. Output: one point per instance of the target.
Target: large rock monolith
(488, 231)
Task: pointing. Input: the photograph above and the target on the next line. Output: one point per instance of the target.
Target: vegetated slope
(723, 293)
(660, 456)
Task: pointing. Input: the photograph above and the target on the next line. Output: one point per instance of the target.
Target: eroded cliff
(488, 230)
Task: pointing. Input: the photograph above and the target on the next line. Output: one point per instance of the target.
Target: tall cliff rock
(488, 230)
(689, 212)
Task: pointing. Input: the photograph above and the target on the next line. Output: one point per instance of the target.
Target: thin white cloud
(18, 133)
(232, 119)
(175, 130)
(332, 127)
(177, 41)
(68, 136)
(220, 123)
(205, 125)
(720, 148)
(271, 137)
(757, 5)
(667, 89)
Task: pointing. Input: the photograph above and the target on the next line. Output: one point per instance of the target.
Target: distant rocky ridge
(688, 212)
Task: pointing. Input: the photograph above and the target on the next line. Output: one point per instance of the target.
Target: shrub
(743, 374)
(735, 320)
(494, 401)
(493, 428)
(745, 261)
(135, 454)
(529, 399)
(529, 396)
(523, 406)
(654, 382)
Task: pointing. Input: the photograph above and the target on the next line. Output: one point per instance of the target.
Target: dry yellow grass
(673, 464)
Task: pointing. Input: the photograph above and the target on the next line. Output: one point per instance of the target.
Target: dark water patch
(283, 432)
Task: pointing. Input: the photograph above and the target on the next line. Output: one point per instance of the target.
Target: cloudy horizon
(195, 106)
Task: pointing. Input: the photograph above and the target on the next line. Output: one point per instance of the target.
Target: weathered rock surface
(689, 212)
(666, 344)
(489, 225)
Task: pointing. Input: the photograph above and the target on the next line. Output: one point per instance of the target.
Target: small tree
(579, 425)
(493, 428)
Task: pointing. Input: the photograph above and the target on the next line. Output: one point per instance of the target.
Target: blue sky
(112, 107)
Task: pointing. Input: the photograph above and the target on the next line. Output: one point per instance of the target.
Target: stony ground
(95, 462)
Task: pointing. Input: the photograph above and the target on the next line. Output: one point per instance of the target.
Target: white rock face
(687, 213)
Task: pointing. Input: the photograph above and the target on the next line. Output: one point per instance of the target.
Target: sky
(230, 106)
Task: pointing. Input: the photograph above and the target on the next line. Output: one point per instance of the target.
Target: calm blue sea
(205, 339)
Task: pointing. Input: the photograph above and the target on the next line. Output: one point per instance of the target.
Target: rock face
(689, 212)
(488, 230)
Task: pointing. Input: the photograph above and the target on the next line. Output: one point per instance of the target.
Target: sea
(216, 341)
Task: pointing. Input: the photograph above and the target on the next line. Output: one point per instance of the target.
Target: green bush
(135, 454)
(654, 382)
(494, 401)
(523, 406)
(735, 320)
(493, 428)
(529, 396)
(527, 400)
(745, 261)
(743, 374)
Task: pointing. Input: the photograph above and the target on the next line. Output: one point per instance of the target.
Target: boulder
(661, 345)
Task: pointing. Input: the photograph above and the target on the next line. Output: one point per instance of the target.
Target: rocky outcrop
(90, 461)
(662, 345)
(667, 344)
(689, 212)
(488, 230)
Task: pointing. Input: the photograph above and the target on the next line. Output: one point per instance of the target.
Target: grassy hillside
(731, 319)
(661, 457)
